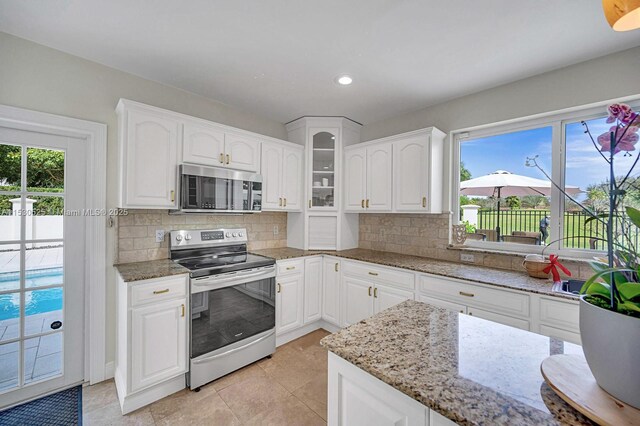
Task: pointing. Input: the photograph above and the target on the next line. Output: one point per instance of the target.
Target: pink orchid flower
(621, 112)
(625, 143)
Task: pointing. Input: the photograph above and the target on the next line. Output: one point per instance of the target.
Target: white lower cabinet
(357, 300)
(331, 290)
(158, 342)
(455, 307)
(151, 339)
(356, 398)
(385, 297)
(289, 295)
(312, 289)
(502, 319)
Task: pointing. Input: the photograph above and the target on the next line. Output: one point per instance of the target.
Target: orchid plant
(616, 283)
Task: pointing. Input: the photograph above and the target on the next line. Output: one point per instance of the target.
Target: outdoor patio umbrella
(506, 184)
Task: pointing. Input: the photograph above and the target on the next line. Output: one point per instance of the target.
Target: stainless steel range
(233, 308)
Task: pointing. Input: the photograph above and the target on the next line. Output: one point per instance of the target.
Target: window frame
(557, 120)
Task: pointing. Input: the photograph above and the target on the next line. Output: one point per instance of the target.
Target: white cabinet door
(312, 289)
(158, 342)
(355, 179)
(357, 300)
(386, 297)
(356, 398)
(379, 178)
(271, 177)
(289, 302)
(331, 291)
(292, 179)
(437, 419)
(202, 144)
(242, 152)
(151, 149)
(411, 174)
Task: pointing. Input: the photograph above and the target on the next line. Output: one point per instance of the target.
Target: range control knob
(235, 234)
(187, 237)
(228, 234)
(241, 234)
(178, 237)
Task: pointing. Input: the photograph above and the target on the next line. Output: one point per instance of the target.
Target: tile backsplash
(136, 231)
(428, 236)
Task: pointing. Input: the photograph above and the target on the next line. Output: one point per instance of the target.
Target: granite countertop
(472, 371)
(480, 274)
(138, 271)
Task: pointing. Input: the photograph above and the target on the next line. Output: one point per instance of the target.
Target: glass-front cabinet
(323, 170)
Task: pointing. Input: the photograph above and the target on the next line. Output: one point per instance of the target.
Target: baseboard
(305, 329)
(109, 370)
(132, 402)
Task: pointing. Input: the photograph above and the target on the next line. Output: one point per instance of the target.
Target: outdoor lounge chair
(521, 239)
(535, 235)
(476, 236)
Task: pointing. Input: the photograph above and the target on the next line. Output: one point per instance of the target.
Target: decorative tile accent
(137, 230)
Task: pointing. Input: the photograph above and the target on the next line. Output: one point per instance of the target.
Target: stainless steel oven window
(224, 316)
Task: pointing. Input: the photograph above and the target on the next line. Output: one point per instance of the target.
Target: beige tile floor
(288, 389)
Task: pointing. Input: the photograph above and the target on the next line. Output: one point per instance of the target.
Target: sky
(584, 165)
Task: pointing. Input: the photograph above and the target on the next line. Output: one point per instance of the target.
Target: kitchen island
(416, 364)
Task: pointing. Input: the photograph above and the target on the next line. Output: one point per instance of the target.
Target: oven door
(228, 308)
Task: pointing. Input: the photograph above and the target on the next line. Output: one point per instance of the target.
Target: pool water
(36, 301)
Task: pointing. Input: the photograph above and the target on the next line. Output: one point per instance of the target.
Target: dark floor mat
(62, 408)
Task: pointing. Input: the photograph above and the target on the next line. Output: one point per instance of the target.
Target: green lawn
(529, 221)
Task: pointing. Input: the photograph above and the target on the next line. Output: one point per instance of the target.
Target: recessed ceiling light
(344, 80)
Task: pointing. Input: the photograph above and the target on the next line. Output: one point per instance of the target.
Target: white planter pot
(611, 344)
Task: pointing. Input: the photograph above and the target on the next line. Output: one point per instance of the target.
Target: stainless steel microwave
(217, 190)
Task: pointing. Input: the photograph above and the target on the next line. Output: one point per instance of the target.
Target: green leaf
(629, 291)
(603, 273)
(634, 215)
(599, 289)
(628, 305)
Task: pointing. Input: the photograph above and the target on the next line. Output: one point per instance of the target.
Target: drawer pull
(369, 291)
(166, 290)
(290, 268)
(470, 313)
(222, 158)
(279, 288)
(173, 196)
(362, 204)
(309, 203)
(336, 267)
(463, 293)
(367, 203)
(424, 201)
(375, 274)
(285, 202)
(228, 158)
(375, 292)
(280, 203)
(182, 310)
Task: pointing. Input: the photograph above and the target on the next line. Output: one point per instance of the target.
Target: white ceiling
(278, 58)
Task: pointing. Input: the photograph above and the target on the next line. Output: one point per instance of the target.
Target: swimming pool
(36, 301)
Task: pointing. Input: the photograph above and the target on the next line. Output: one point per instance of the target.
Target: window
(533, 213)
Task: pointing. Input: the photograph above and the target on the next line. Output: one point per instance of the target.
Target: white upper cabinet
(282, 177)
(202, 144)
(241, 152)
(368, 178)
(272, 176)
(379, 178)
(323, 153)
(355, 179)
(292, 178)
(148, 147)
(418, 168)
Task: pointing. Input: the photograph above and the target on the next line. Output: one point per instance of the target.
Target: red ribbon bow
(553, 268)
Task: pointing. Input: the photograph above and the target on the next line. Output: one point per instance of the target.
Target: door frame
(95, 135)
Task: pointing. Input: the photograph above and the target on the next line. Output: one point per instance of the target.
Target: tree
(513, 202)
(465, 174)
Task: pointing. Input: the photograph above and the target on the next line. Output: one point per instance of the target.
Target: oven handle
(239, 348)
(208, 281)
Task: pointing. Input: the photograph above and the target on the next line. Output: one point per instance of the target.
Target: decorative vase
(611, 343)
(459, 233)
